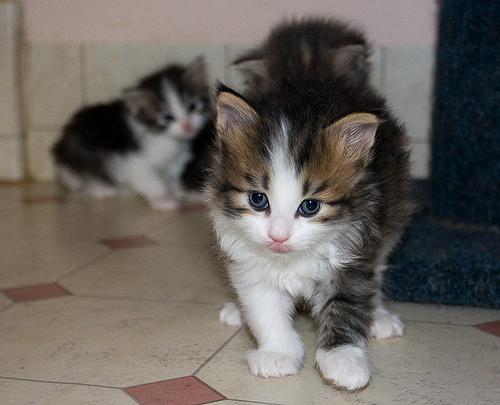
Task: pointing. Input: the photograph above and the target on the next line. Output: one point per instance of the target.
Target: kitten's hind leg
(385, 324)
(68, 178)
(230, 314)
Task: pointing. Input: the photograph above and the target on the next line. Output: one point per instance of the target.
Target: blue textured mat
(445, 263)
(466, 120)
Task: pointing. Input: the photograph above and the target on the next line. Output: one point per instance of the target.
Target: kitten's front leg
(344, 320)
(269, 313)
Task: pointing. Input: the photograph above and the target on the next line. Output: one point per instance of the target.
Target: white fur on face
(186, 124)
(285, 196)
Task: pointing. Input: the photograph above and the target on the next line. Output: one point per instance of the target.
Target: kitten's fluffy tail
(311, 46)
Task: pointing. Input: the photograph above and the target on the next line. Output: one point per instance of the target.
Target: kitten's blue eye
(308, 208)
(258, 201)
(168, 117)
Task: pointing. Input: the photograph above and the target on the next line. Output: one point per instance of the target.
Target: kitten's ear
(196, 73)
(233, 112)
(356, 134)
(351, 61)
(137, 99)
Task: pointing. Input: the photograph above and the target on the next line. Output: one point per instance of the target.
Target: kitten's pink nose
(186, 126)
(279, 238)
(279, 231)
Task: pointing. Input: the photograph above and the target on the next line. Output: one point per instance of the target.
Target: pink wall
(389, 22)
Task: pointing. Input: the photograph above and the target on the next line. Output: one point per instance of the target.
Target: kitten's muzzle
(279, 247)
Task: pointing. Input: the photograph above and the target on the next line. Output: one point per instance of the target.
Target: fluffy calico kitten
(308, 195)
(142, 141)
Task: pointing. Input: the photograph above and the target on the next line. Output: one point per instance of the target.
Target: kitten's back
(310, 46)
(91, 135)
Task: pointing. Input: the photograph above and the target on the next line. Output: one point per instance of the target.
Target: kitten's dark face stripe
(305, 188)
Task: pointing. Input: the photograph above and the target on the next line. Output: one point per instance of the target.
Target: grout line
(439, 323)
(59, 382)
(7, 307)
(216, 352)
(137, 299)
(84, 265)
(248, 401)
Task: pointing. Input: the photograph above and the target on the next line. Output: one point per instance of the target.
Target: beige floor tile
(430, 364)
(4, 301)
(443, 313)
(35, 260)
(227, 372)
(435, 364)
(78, 218)
(17, 392)
(107, 342)
(171, 273)
(187, 230)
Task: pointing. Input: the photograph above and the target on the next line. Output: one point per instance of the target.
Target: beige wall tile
(11, 162)
(408, 85)
(53, 88)
(9, 101)
(111, 67)
(40, 166)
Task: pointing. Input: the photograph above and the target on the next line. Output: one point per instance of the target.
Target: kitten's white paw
(101, 192)
(164, 204)
(386, 325)
(272, 364)
(230, 314)
(346, 366)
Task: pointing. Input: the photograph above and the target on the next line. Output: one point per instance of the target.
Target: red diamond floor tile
(128, 242)
(180, 391)
(35, 292)
(490, 327)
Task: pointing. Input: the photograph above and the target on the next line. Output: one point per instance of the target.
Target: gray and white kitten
(141, 141)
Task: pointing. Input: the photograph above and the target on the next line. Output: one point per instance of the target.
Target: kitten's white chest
(160, 150)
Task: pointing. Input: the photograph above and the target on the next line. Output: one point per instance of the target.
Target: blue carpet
(466, 120)
(444, 262)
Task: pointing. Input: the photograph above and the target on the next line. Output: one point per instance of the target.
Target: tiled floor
(112, 303)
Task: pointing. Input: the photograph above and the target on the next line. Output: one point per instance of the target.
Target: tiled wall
(60, 78)
(11, 163)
